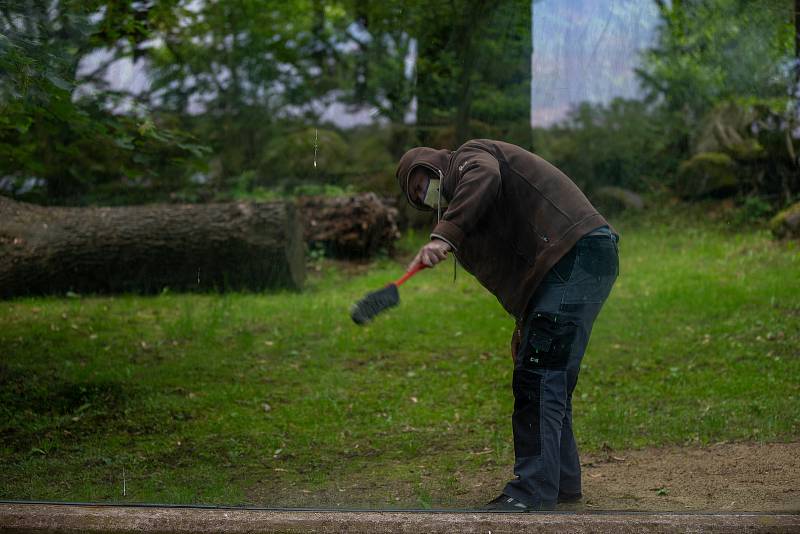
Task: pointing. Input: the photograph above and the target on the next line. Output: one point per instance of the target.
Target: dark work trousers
(554, 333)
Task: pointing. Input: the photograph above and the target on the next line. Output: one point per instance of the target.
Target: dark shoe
(504, 503)
(564, 498)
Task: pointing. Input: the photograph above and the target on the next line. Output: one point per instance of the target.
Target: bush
(619, 144)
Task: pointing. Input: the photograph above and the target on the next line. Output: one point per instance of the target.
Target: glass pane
(194, 194)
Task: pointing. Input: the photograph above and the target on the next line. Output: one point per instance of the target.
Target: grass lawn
(279, 399)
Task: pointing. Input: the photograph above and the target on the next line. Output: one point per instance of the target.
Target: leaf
(146, 127)
(22, 124)
(125, 142)
(58, 81)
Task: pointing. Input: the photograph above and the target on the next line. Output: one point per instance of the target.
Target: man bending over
(533, 239)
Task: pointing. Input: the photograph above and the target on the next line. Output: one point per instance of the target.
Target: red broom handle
(411, 272)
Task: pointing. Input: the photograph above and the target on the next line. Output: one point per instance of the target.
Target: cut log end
(354, 226)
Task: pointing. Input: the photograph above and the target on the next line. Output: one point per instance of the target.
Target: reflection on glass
(194, 193)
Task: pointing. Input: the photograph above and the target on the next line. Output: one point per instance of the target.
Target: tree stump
(354, 226)
(233, 246)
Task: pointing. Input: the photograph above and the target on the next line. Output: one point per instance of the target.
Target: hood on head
(431, 158)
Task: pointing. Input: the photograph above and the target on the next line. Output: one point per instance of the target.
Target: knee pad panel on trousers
(549, 343)
(527, 387)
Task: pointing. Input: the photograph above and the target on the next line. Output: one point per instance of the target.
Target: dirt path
(729, 477)
(724, 477)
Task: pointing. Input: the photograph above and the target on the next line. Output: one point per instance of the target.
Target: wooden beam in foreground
(88, 518)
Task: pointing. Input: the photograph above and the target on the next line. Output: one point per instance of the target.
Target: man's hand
(431, 253)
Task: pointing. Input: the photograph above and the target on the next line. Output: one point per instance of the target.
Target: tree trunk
(471, 51)
(796, 47)
(147, 248)
(468, 59)
(355, 226)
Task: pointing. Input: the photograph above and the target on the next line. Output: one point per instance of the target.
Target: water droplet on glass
(316, 146)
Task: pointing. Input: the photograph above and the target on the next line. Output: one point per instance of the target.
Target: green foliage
(720, 67)
(620, 144)
(755, 135)
(752, 211)
(351, 160)
(74, 147)
(712, 50)
(717, 119)
(370, 164)
(239, 90)
(310, 154)
(374, 72)
(232, 70)
(258, 399)
(776, 175)
(473, 70)
(256, 113)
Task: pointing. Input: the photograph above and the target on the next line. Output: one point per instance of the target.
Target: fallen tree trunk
(237, 246)
(354, 226)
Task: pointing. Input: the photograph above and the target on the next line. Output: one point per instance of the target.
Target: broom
(374, 303)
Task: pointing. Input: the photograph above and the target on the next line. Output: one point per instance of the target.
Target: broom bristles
(374, 303)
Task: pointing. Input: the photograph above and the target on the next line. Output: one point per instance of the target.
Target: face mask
(433, 195)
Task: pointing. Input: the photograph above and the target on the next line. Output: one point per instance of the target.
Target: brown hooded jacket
(510, 215)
